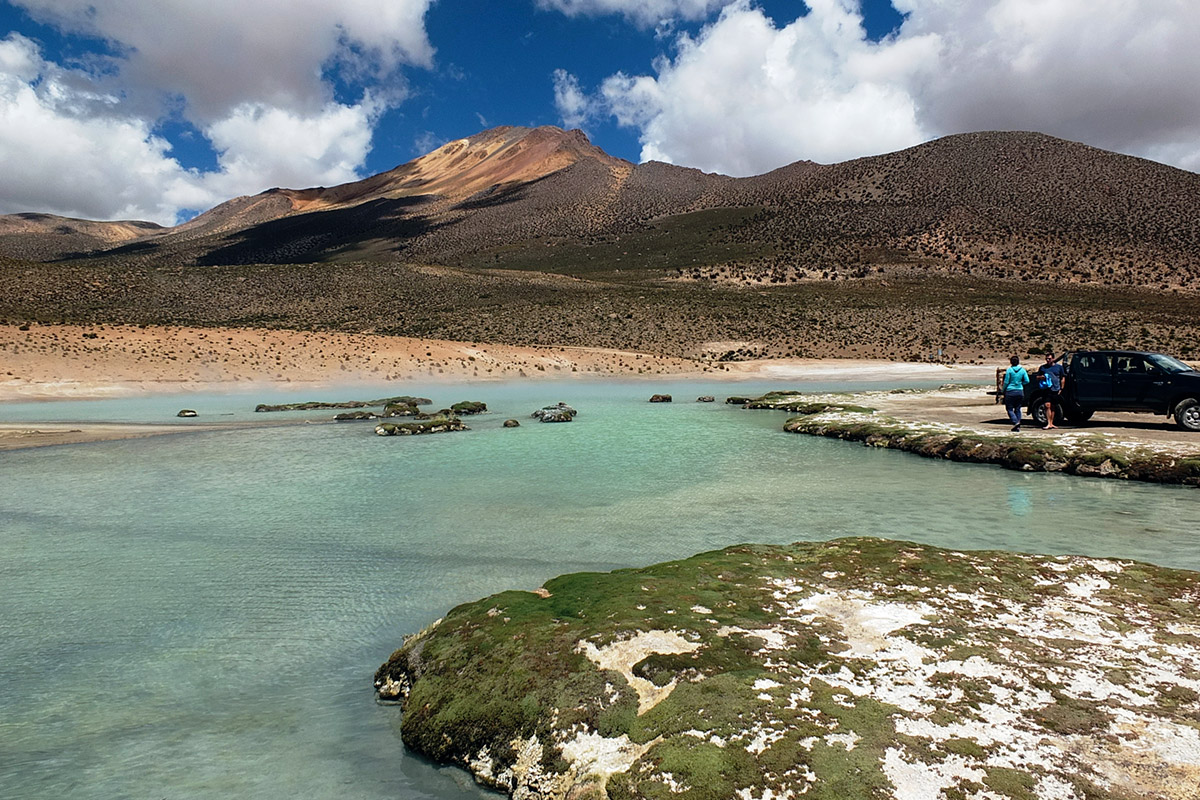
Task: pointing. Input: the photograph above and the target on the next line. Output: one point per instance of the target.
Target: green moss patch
(840, 669)
(436, 424)
(1088, 457)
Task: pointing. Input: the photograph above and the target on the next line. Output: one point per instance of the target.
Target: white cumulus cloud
(57, 159)
(254, 78)
(744, 96)
(1119, 75)
(218, 54)
(642, 12)
(573, 104)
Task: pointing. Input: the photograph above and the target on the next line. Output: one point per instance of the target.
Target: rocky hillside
(1010, 206)
(45, 237)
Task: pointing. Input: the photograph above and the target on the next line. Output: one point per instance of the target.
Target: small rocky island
(434, 424)
(858, 668)
(559, 412)
(319, 405)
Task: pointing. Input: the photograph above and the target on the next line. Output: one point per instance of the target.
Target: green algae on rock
(469, 407)
(316, 405)
(794, 401)
(1073, 454)
(859, 668)
(438, 424)
(353, 416)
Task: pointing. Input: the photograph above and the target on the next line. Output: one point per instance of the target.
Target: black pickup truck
(1122, 380)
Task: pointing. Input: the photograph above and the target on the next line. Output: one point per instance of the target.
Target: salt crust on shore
(904, 676)
(620, 656)
(905, 673)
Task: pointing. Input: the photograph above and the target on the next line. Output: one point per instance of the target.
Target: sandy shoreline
(49, 362)
(57, 362)
(19, 436)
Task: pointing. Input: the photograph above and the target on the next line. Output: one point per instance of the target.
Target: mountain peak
(460, 168)
(507, 154)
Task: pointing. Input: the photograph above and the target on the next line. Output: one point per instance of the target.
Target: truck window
(1167, 364)
(1130, 365)
(1091, 364)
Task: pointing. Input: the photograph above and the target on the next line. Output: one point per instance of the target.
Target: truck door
(1138, 383)
(1091, 379)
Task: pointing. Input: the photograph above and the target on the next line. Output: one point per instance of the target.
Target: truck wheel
(1187, 414)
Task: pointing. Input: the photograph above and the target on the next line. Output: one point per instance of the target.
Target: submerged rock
(858, 668)
(469, 407)
(511, 423)
(187, 412)
(315, 405)
(560, 412)
(404, 399)
(438, 424)
(401, 410)
(660, 398)
(706, 398)
(350, 416)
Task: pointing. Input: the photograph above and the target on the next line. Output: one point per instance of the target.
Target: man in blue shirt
(1051, 377)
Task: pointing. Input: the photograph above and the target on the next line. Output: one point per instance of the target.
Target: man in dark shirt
(1051, 377)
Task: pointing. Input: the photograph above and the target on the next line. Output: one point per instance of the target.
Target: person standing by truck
(1051, 377)
(1015, 380)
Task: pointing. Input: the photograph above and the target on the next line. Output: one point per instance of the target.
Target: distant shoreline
(53, 362)
(49, 363)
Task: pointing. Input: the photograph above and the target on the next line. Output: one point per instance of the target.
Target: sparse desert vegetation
(965, 248)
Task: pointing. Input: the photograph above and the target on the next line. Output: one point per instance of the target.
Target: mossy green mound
(469, 407)
(400, 410)
(858, 668)
(351, 416)
(316, 405)
(437, 424)
(794, 402)
(1093, 458)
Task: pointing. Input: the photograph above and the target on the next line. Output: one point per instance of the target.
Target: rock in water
(437, 424)
(660, 398)
(349, 416)
(555, 413)
(511, 423)
(400, 410)
(312, 405)
(706, 398)
(187, 412)
(858, 668)
(469, 407)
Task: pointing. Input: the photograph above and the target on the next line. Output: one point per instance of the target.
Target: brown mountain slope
(490, 161)
(42, 237)
(1004, 205)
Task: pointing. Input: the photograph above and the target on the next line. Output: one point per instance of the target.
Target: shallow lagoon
(201, 615)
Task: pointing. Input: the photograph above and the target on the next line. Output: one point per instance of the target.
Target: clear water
(201, 615)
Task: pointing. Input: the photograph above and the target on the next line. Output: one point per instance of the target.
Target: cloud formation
(743, 96)
(256, 79)
(646, 13)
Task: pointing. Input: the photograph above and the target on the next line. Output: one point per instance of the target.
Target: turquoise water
(201, 615)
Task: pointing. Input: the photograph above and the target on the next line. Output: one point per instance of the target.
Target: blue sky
(156, 109)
